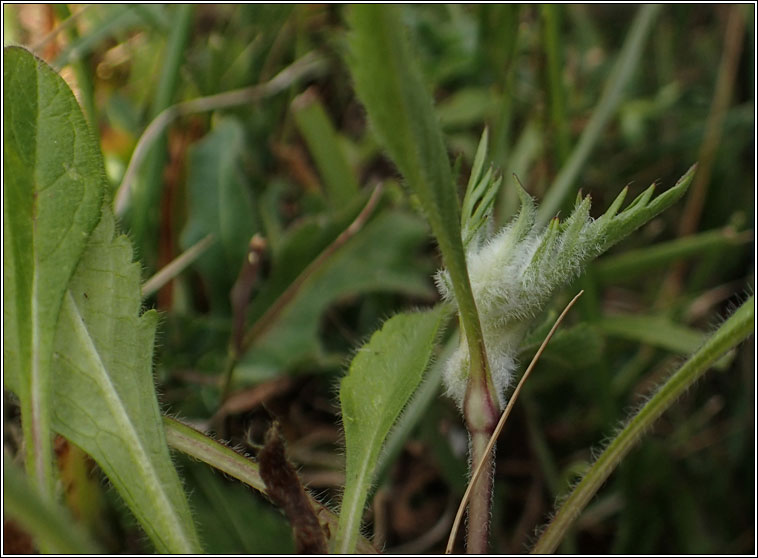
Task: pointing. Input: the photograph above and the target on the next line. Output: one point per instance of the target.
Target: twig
(500, 425)
(265, 321)
(176, 266)
(307, 65)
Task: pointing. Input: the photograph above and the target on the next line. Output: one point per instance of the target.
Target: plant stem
(475, 491)
(481, 413)
(729, 335)
(478, 532)
(305, 66)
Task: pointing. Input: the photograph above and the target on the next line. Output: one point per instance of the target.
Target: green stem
(729, 335)
(478, 529)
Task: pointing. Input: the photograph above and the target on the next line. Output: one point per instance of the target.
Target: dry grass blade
(268, 317)
(501, 423)
(305, 66)
(175, 267)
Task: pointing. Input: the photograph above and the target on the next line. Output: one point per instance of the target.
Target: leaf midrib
(171, 522)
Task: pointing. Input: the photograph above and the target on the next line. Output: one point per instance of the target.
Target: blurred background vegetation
(297, 166)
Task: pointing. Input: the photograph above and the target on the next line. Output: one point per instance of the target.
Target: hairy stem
(729, 335)
(481, 413)
(478, 532)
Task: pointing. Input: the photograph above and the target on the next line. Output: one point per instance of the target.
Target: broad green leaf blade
(382, 378)
(51, 525)
(53, 189)
(400, 110)
(220, 203)
(104, 398)
(732, 332)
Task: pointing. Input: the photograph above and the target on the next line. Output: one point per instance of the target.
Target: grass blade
(313, 123)
(50, 525)
(729, 335)
(562, 187)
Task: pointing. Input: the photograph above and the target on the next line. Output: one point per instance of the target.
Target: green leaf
(220, 203)
(657, 331)
(480, 196)
(400, 110)
(54, 185)
(51, 525)
(731, 333)
(312, 122)
(104, 397)
(612, 227)
(224, 510)
(629, 265)
(380, 258)
(382, 378)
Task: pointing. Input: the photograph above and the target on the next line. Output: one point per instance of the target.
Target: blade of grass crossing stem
(562, 187)
(401, 113)
(176, 266)
(731, 333)
(499, 428)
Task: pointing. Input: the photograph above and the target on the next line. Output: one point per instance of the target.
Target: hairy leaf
(382, 378)
(72, 304)
(514, 273)
(53, 188)
(731, 333)
(400, 110)
(104, 397)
